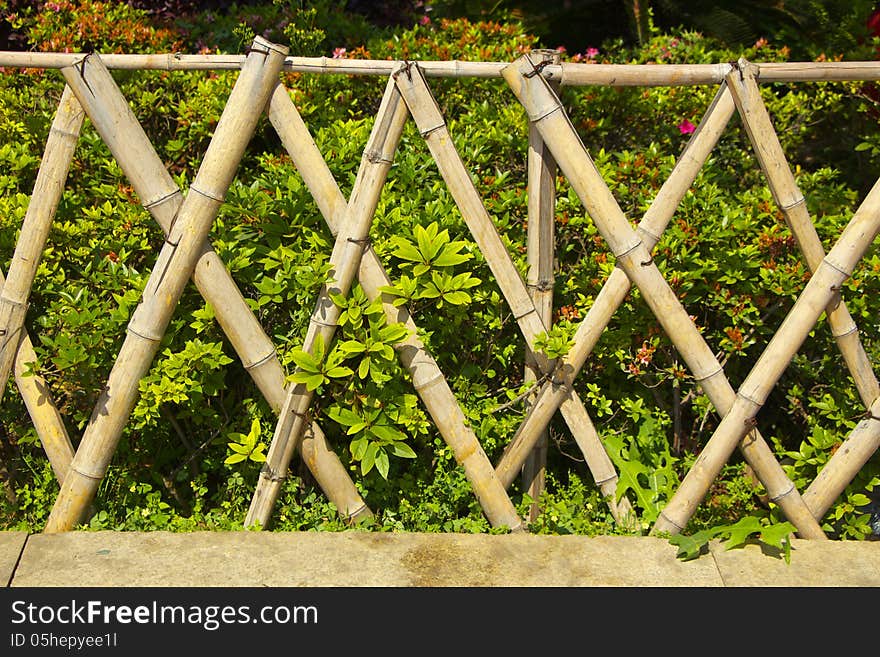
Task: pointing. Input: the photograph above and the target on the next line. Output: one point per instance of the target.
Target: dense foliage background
(727, 253)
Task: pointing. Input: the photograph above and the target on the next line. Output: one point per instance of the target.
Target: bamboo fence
(554, 145)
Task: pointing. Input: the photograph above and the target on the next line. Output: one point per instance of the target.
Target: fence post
(540, 252)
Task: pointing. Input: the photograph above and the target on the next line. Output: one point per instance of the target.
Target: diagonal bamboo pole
(615, 289)
(428, 380)
(862, 442)
(345, 260)
(174, 267)
(130, 146)
(431, 124)
(540, 252)
(42, 410)
(790, 200)
(631, 254)
(823, 287)
(48, 188)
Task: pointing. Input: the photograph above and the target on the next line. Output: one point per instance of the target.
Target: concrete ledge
(365, 559)
(813, 563)
(231, 559)
(11, 545)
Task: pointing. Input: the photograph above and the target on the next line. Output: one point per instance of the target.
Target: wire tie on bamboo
(270, 474)
(542, 285)
(82, 71)
(427, 131)
(537, 68)
(648, 262)
(320, 323)
(377, 157)
(868, 415)
(364, 242)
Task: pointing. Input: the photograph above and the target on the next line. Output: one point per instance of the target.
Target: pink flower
(338, 53)
(560, 50)
(425, 20)
(592, 52)
(686, 127)
(54, 6)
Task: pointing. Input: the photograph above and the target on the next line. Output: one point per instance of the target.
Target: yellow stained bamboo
(791, 202)
(433, 128)
(540, 253)
(613, 292)
(37, 398)
(130, 146)
(44, 200)
(344, 260)
(173, 269)
(545, 110)
(427, 378)
(822, 287)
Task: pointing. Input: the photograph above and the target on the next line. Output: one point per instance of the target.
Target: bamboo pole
(838, 472)
(428, 380)
(823, 286)
(862, 443)
(615, 289)
(137, 158)
(433, 128)
(48, 188)
(567, 73)
(174, 267)
(545, 110)
(540, 251)
(791, 202)
(344, 260)
(37, 399)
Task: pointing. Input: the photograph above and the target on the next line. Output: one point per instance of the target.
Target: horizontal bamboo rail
(566, 73)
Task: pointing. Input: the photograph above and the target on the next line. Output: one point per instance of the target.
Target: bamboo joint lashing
(629, 249)
(700, 379)
(267, 472)
(852, 329)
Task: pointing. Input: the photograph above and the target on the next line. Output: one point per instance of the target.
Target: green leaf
(690, 547)
(404, 451)
(235, 458)
(344, 416)
(382, 463)
(305, 361)
(339, 372)
(740, 531)
(364, 368)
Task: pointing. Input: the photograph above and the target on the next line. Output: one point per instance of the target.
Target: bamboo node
(428, 131)
(849, 331)
(206, 194)
(793, 204)
(260, 361)
(671, 522)
(521, 315)
(628, 250)
(165, 197)
(645, 263)
(700, 379)
(781, 495)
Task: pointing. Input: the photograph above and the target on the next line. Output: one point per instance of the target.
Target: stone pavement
(364, 559)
